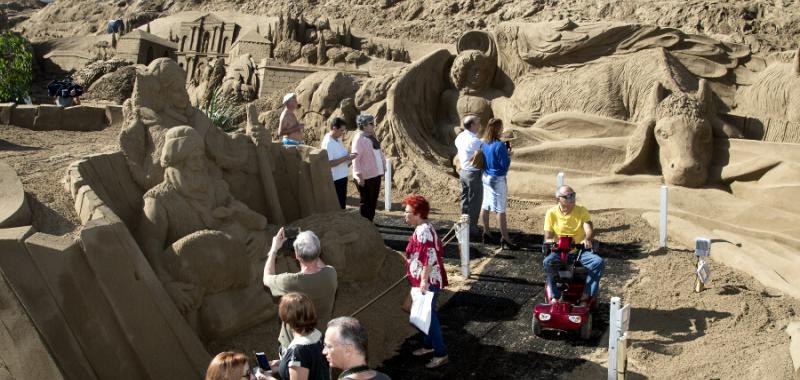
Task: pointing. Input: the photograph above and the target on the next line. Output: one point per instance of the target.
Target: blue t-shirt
(497, 161)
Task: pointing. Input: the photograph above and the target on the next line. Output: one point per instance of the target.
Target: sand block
(91, 318)
(794, 348)
(5, 112)
(766, 258)
(48, 118)
(83, 118)
(31, 288)
(109, 178)
(88, 202)
(23, 115)
(160, 337)
(24, 354)
(113, 115)
(14, 210)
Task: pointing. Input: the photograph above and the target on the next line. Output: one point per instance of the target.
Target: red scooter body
(564, 313)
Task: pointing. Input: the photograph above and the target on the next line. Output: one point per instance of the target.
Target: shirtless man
(291, 130)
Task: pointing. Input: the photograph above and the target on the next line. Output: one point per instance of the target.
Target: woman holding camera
(497, 155)
(303, 359)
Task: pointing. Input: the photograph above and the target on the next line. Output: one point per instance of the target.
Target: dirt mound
(753, 23)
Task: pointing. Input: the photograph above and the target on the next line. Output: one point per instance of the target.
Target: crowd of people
(310, 343)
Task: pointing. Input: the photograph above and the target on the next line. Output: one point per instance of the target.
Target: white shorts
(495, 193)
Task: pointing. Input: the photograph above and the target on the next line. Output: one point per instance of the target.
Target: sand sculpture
(209, 197)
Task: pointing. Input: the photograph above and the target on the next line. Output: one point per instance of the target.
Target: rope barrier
(453, 230)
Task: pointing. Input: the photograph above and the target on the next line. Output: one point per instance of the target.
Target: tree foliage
(15, 67)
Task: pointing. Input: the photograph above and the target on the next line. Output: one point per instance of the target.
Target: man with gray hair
(467, 142)
(315, 279)
(346, 349)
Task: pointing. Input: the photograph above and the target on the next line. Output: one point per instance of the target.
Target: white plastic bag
(420, 315)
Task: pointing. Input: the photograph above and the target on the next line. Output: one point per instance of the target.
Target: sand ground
(733, 329)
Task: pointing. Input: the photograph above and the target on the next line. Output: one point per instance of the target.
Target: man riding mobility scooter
(565, 312)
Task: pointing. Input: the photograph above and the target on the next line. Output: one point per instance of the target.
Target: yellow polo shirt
(567, 225)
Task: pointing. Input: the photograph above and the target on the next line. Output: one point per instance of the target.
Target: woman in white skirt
(495, 189)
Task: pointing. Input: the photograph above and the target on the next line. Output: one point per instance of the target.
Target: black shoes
(505, 244)
(487, 238)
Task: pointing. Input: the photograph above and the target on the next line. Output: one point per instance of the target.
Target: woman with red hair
(229, 365)
(426, 272)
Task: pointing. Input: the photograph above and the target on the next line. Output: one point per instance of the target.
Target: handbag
(420, 315)
(477, 160)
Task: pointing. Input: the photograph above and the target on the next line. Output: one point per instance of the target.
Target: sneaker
(437, 362)
(422, 351)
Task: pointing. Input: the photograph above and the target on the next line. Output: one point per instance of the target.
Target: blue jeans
(593, 263)
(434, 339)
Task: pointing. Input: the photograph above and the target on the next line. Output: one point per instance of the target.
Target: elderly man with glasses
(346, 349)
(568, 219)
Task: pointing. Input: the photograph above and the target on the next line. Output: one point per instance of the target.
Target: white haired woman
(368, 165)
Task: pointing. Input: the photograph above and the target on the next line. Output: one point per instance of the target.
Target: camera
(508, 145)
(290, 233)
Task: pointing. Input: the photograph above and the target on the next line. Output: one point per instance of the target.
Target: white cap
(288, 97)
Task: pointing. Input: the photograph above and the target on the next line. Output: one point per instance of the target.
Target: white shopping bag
(421, 309)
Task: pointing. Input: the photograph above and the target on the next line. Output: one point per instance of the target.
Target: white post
(463, 244)
(662, 225)
(613, 338)
(387, 187)
(559, 180)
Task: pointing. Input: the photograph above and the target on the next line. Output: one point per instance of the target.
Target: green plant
(15, 67)
(221, 114)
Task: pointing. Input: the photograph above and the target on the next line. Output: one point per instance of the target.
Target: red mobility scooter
(565, 313)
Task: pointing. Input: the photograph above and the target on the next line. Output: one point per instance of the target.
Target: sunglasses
(568, 196)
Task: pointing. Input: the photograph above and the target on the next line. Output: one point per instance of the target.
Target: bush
(221, 114)
(15, 67)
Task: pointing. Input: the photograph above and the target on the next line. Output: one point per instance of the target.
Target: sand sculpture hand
(255, 244)
(183, 294)
(222, 212)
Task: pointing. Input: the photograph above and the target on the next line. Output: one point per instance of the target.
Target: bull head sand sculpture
(680, 137)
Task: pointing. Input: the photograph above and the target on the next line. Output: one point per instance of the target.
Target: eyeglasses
(568, 196)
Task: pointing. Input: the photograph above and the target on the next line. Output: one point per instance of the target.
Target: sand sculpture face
(472, 71)
(684, 150)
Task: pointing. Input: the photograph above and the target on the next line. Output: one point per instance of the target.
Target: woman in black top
(303, 359)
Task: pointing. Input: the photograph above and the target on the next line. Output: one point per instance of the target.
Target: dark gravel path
(487, 327)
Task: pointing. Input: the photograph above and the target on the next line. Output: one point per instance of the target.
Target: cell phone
(508, 145)
(263, 363)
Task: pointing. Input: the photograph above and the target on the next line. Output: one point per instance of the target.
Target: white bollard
(618, 324)
(387, 187)
(463, 244)
(559, 180)
(662, 224)
(613, 338)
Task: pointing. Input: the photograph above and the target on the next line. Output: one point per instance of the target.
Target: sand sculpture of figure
(197, 237)
(160, 102)
(240, 82)
(598, 77)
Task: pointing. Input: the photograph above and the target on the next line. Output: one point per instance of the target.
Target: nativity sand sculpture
(622, 109)
(204, 228)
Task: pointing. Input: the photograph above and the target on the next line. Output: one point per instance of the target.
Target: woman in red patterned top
(426, 271)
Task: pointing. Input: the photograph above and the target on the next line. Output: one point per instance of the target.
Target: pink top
(365, 166)
(425, 248)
